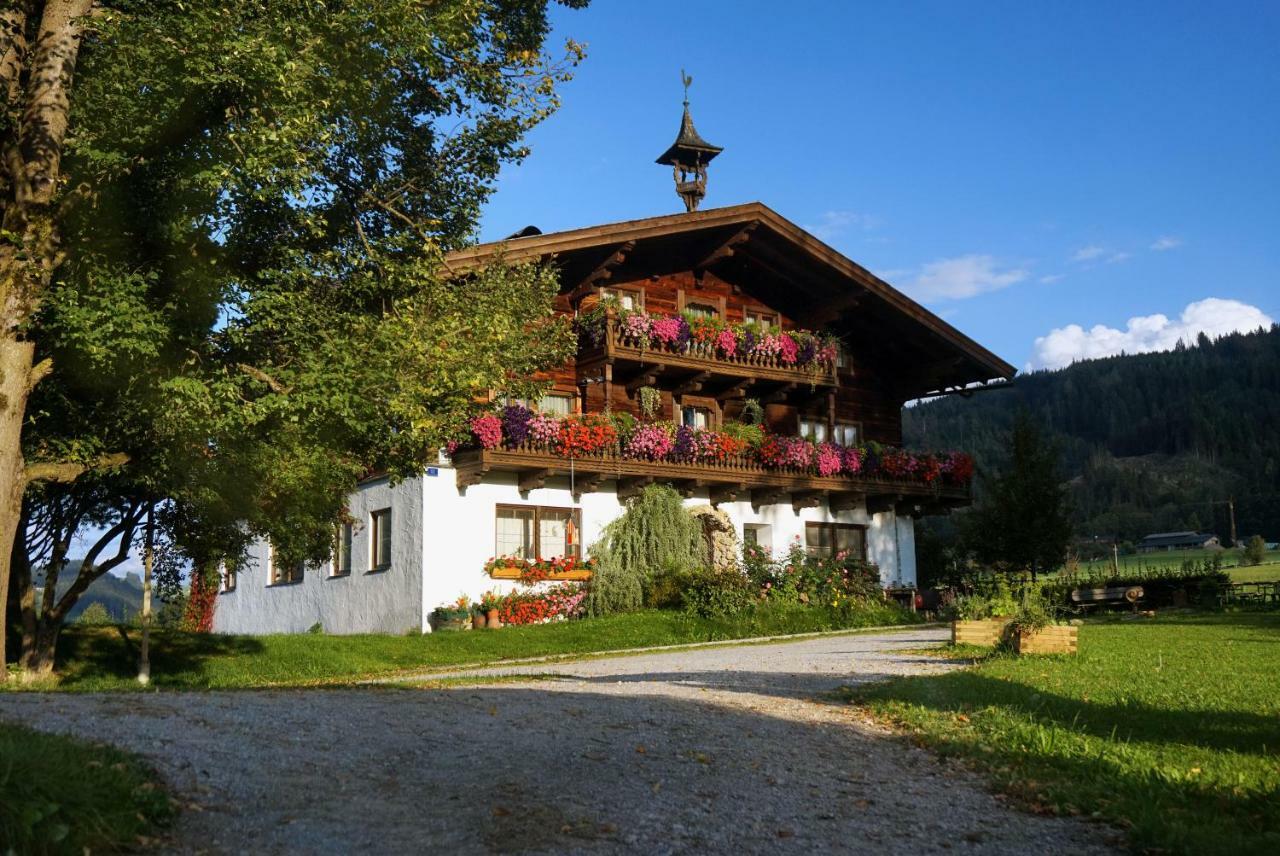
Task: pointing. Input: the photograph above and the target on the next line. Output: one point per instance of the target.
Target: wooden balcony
(736, 478)
(635, 361)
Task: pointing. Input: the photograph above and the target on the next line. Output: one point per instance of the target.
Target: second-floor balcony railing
(788, 357)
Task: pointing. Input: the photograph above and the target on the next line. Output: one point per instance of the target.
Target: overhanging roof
(775, 260)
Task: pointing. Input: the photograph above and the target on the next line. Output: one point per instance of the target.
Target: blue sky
(1020, 167)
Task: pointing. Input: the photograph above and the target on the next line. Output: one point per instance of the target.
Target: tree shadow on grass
(106, 658)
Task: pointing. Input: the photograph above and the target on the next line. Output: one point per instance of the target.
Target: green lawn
(59, 795)
(99, 659)
(1169, 728)
(1268, 571)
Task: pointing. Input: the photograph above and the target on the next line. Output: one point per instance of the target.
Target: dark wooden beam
(531, 479)
(845, 500)
(629, 487)
(647, 377)
(471, 475)
(692, 384)
(779, 395)
(831, 310)
(765, 496)
(737, 391)
(806, 499)
(725, 249)
(727, 492)
(587, 483)
(882, 502)
(615, 256)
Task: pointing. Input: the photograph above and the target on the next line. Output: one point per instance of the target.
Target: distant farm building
(1168, 541)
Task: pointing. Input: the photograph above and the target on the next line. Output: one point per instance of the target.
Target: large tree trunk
(15, 378)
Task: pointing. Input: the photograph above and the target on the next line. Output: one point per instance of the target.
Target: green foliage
(1151, 442)
(720, 594)
(752, 435)
(650, 400)
(655, 534)
(1201, 579)
(752, 412)
(1255, 552)
(95, 614)
(1167, 728)
(1023, 522)
(63, 796)
(993, 597)
(1034, 612)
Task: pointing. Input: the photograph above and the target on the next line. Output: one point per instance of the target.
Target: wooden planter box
(1049, 640)
(511, 572)
(988, 631)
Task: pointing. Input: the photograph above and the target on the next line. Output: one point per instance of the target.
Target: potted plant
(477, 617)
(490, 602)
(1034, 630)
(982, 619)
(456, 616)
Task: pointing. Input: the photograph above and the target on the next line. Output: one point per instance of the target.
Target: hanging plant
(650, 401)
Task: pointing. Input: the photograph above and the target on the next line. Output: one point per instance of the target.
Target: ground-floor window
(227, 576)
(535, 531)
(285, 572)
(824, 540)
(342, 550)
(380, 539)
(757, 536)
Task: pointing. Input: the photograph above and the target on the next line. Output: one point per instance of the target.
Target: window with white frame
(847, 433)
(825, 540)
(701, 310)
(380, 539)
(537, 532)
(227, 576)
(693, 416)
(764, 320)
(552, 404)
(282, 572)
(627, 298)
(814, 429)
(757, 536)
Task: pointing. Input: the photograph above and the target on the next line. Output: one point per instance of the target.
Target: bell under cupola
(688, 156)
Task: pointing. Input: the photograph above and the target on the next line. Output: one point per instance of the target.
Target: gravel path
(722, 750)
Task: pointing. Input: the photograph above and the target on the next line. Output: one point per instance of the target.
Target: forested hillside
(1150, 442)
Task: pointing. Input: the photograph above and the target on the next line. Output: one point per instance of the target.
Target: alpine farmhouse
(644, 292)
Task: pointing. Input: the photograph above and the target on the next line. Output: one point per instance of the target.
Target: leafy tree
(1255, 551)
(1023, 522)
(221, 263)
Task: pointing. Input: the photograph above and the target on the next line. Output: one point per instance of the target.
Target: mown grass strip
(1168, 728)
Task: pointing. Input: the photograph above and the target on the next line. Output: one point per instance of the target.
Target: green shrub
(1201, 580)
(95, 615)
(1255, 552)
(722, 594)
(993, 598)
(654, 535)
(665, 588)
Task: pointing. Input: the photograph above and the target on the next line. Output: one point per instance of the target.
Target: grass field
(1268, 571)
(59, 795)
(1169, 728)
(94, 659)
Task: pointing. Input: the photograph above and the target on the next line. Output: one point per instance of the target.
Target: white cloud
(1166, 242)
(1212, 316)
(834, 223)
(1116, 258)
(1050, 279)
(1089, 253)
(961, 277)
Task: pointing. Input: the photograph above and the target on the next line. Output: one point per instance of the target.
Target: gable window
(701, 310)
(283, 573)
(825, 540)
(814, 429)
(342, 550)
(847, 433)
(628, 298)
(380, 539)
(692, 416)
(765, 320)
(533, 532)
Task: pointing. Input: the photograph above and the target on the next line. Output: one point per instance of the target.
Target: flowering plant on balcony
(786, 452)
(487, 429)
(719, 338)
(587, 435)
(539, 570)
(829, 459)
(651, 442)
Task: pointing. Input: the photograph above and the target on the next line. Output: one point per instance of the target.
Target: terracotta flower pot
(492, 618)
(477, 620)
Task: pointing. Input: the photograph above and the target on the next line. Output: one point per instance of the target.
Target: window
(283, 573)
(757, 535)
(847, 433)
(824, 540)
(628, 298)
(342, 551)
(695, 417)
(532, 532)
(842, 357)
(814, 429)
(380, 540)
(766, 320)
(556, 404)
(701, 310)
(227, 576)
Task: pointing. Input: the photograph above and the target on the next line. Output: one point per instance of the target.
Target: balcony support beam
(736, 392)
(615, 256)
(693, 384)
(586, 483)
(533, 479)
(883, 502)
(765, 496)
(806, 499)
(845, 500)
(779, 395)
(632, 486)
(727, 492)
(647, 377)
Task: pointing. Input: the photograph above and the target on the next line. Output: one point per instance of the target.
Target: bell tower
(688, 156)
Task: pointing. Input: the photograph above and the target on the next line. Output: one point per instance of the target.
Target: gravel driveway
(721, 750)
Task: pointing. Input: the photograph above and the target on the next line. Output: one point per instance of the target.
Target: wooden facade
(740, 263)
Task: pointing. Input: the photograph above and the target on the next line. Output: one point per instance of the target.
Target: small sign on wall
(433, 471)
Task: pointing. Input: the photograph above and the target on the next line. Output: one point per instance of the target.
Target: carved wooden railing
(614, 342)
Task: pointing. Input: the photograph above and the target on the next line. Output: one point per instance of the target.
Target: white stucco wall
(442, 537)
(363, 601)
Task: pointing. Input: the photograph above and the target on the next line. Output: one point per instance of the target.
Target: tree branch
(39, 372)
(90, 570)
(69, 472)
(259, 375)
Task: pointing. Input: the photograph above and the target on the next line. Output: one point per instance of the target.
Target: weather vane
(686, 80)
(688, 156)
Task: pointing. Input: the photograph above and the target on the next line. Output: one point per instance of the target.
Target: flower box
(514, 572)
(987, 631)
(1054, 639)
